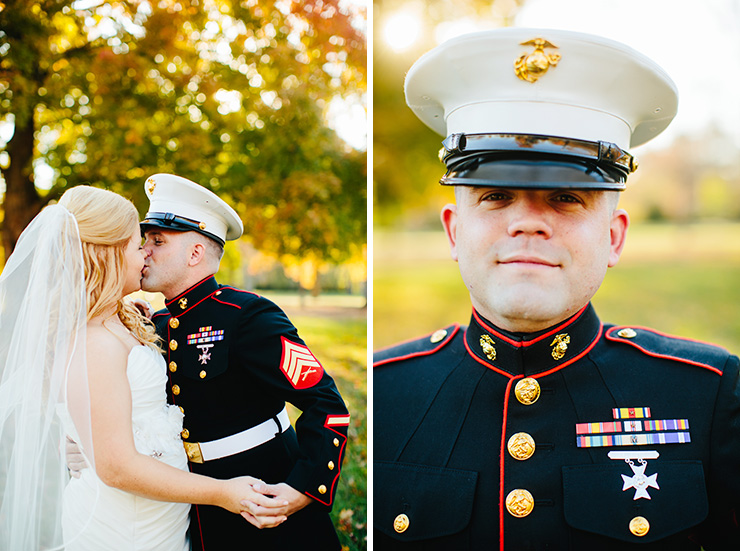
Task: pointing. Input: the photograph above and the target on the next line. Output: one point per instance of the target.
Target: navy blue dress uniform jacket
(234, 359)
(485, 439)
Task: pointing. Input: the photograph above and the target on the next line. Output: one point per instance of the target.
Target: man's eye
(567, 198)
(495, 196)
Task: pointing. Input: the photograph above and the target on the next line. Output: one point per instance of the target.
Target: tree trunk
(22, 201)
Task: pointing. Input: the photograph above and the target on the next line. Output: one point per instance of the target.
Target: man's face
(532, 258)
(166, 263)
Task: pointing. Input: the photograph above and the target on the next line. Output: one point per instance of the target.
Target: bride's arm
(118, 464)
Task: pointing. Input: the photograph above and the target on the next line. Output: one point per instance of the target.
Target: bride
(76, 359)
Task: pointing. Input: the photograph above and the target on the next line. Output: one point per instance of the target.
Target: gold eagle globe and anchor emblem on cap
(532, 66)
(560, 345)
(486, 343)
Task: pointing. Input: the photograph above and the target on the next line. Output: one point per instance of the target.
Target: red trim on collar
(612, 338)
(521, 344)
(441, 344)
(485, 363)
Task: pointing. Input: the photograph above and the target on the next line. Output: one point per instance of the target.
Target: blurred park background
(264, 102)
(680, 272)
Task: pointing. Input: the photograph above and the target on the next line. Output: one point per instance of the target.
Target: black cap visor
(173, 222)
(524, 161)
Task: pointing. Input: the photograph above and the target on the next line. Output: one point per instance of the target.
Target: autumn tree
(405, 169)
(230, 93)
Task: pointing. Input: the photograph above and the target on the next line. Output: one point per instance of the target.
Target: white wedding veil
(43, 371)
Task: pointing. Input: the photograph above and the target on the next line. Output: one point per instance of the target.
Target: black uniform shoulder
(417, 348)
(668, 347)
(238, 298)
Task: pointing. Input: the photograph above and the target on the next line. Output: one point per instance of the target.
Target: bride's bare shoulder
(105, 348)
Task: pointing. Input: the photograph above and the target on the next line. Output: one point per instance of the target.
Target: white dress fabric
(96, 516)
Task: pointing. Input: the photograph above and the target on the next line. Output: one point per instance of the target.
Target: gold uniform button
(173, 344)
(527, 391)
(174, 323)
(185, 433)
(519, 503)
(175, 390)
(322, 489)
(438, 335)
(331, 465)
(218, 293)
(173, 367)
(401, 523)
(202, 374)
(521, 446)
(336, 442)
(627, 333)
(639, 526)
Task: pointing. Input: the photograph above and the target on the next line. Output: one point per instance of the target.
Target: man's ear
(449, 221)
(197, 254)
(618, 234)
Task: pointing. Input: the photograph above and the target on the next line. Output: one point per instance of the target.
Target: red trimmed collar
(192, 296)
(531, 353)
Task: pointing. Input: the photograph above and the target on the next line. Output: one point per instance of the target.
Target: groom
(234, 359)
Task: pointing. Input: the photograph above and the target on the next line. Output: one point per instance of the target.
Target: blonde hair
(106, 221)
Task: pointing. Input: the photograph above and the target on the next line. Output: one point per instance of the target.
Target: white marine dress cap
(178, 204)
(517, 96)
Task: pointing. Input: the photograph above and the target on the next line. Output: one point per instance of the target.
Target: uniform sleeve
(724, 484)
(269, 346)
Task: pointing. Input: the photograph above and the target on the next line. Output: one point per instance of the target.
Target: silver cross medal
(206, 355)
(638, 480)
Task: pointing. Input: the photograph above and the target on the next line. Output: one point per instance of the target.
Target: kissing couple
(187, 407)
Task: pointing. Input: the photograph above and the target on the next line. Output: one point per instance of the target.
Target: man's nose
(529, 216)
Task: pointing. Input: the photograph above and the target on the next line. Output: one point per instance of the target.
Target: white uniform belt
(198, 452)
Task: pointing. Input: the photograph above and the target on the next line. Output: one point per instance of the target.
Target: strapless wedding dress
(96, 516)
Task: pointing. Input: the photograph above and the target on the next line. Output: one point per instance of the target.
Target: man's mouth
(528, 260)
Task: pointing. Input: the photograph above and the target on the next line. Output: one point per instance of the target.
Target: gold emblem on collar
(486, 343)
(183, 303)
(532, 66)
(560, 345)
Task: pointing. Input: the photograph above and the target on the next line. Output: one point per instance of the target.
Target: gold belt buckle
(192, 449)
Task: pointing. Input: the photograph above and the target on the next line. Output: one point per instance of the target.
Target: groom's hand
(74, 458)
(295, 499)
(290, 499)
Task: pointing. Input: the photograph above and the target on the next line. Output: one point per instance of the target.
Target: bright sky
(697, 42)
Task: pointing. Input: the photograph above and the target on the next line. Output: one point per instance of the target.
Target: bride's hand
(258, 509)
